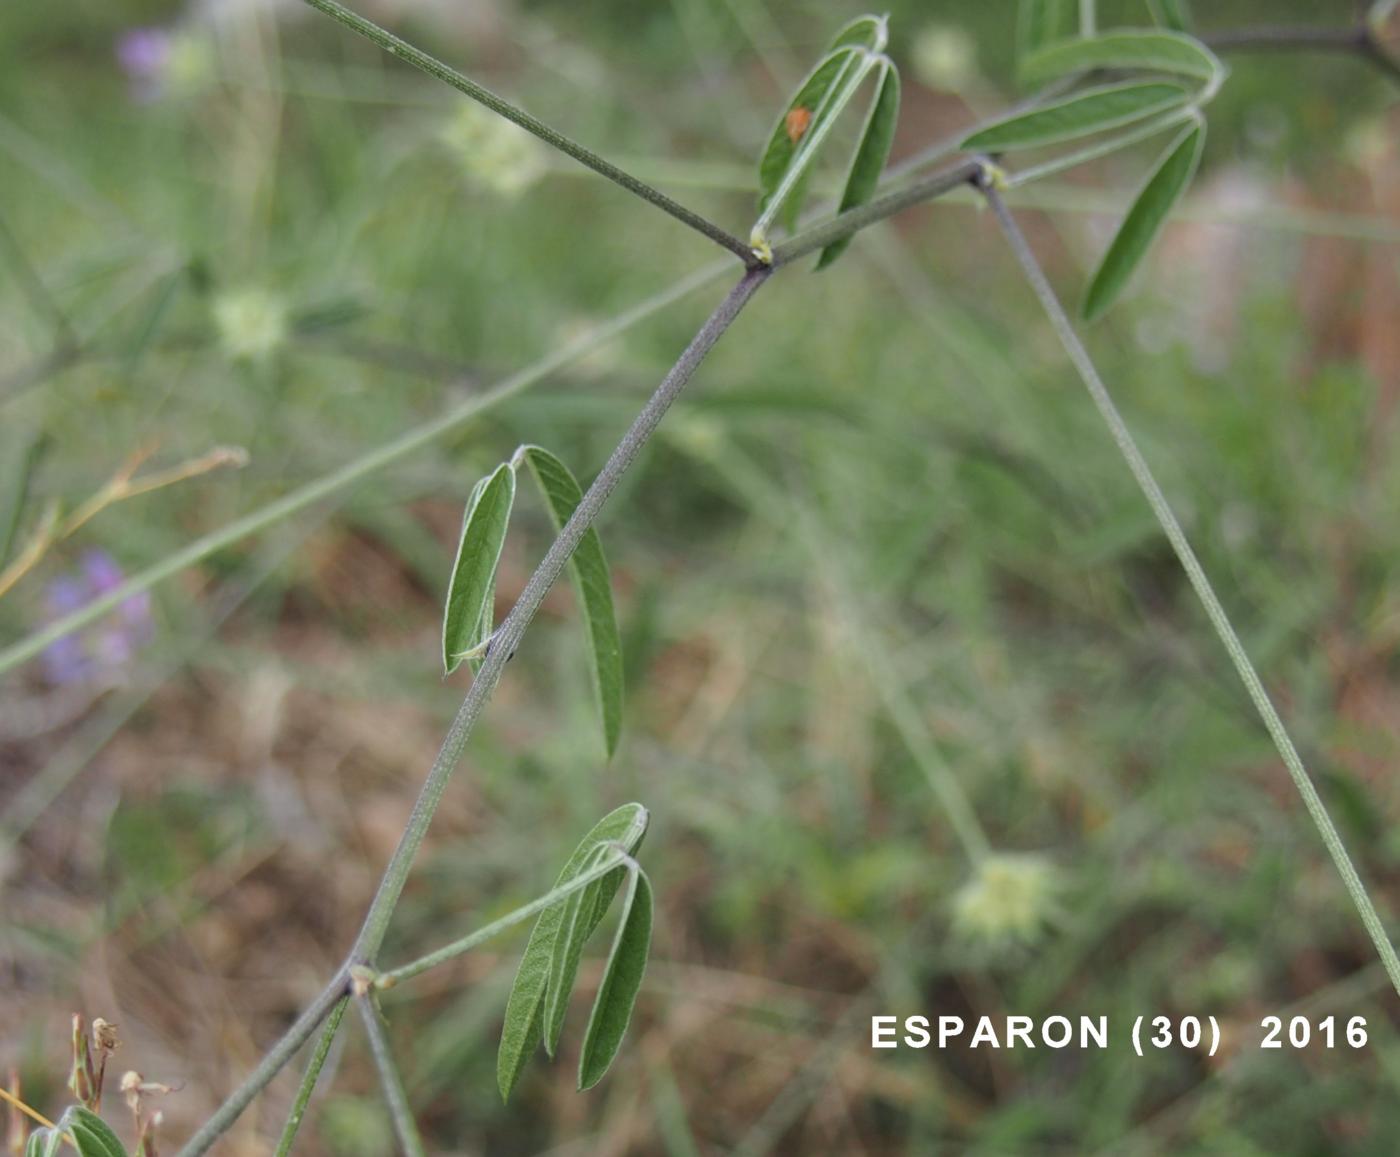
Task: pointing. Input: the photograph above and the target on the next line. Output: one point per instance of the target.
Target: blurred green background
(882, 544)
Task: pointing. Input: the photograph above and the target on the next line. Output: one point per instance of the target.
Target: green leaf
(1038, 23)
(44, 1143)
(474, 571)
(576, 923)
(871, 153)
(1092, 111)
(1154, 50)
(622, 980)
(1171, 14)
(588, 568)
(868, 32)
(1144, 221)
(811, 96)
(92, 1135)
(523, 1026)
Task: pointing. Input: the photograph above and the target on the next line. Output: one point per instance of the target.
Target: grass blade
(1144, 221)
(523, 1026)
(1155, 50)
(871, 153)
(588, 567)
(1093, 111)
(622, 980)
(474, 572)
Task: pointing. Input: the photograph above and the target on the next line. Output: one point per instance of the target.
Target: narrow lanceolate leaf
(1038, 23)
(796, 123)
(1092, 111)
(1154, 50)
(474, 571)
(1171, 14)
(871, 153)
(576, 923)
(1144, 220)
(589, 570)
(868, 32)
(523, 1026)
(622, 980)
(92, 1135)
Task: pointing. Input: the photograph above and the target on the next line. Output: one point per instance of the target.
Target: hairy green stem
(390, 1080)
(1167, 519)
(313, 1073)
(436, 68)
(508, 635)
(496, 927)
(853, 220)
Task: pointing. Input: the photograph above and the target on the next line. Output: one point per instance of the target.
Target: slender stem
(272, 1063)
(390, 1080)
(313, 1073)
(1359, 41)
(1199, 582)
(312, 492)
(509, 633)
(496, 927)
(854, 220)
(436, 68)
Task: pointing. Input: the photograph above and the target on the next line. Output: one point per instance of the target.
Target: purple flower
(143, 54)
(105, 648)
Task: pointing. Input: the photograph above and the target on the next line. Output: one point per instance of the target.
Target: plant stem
(271, 1064)
(1127, 446)
(390, 1080)
(496, 927)
(313, 1073)
(854, 220)
(405, 444)
(1359, 41)
(509, 633)
(436, 68)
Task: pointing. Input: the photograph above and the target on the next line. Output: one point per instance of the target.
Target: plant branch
(313, 1073)
(436, 68)
(1128, 447)
(853, 220)
(496, 927)
(1358, 41)
(390, 1080)
(508, 635)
